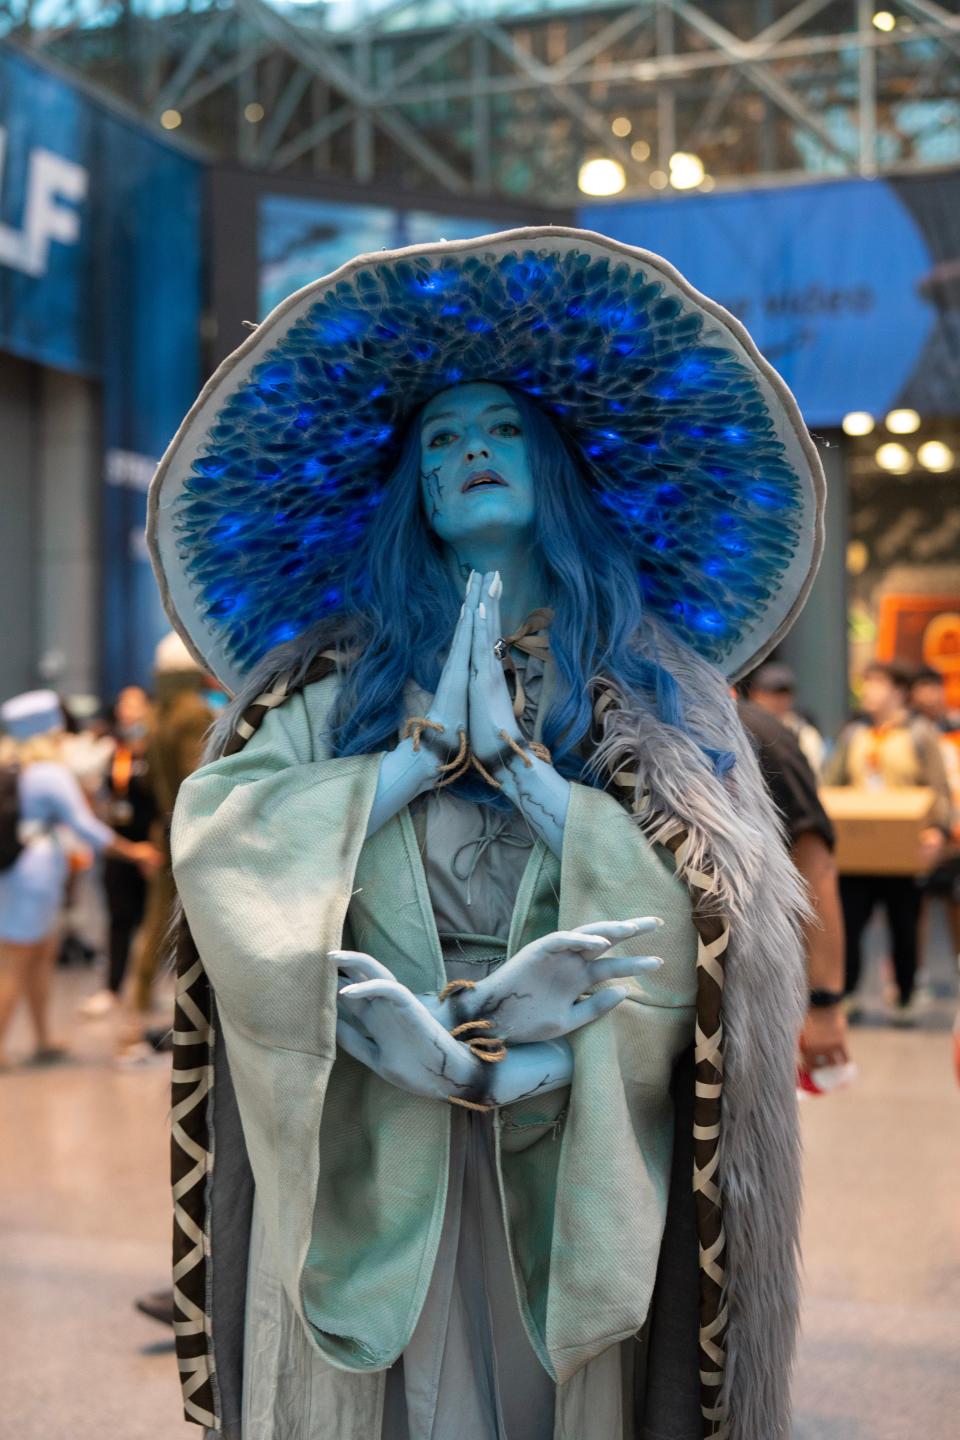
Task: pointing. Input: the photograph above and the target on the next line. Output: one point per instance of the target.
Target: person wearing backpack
(38, 794)
(888, 748)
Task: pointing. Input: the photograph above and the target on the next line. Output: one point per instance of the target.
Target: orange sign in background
(923, 629)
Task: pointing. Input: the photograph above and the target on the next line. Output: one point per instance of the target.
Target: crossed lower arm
(541, 795)
(404, 774)
(525, 1071)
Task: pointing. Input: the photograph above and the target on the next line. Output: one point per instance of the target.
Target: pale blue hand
(534, 786)
(406, 772)
(388, 1029)
(539, 993)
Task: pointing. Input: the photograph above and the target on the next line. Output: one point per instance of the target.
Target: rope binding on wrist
(454, 987)
(532, 747)
(415, 727)
(450, 770)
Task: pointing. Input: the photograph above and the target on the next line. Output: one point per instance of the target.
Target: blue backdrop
(832, 280)
(100, 274)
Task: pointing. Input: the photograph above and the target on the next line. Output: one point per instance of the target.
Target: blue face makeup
(475, 477)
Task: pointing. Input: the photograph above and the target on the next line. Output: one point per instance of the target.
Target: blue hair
(401, 604)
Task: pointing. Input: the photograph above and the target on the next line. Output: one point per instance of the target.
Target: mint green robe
(351, 1173)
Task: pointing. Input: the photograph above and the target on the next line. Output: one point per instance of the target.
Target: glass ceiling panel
(332, 16)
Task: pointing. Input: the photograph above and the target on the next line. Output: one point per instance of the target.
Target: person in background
(773, 687)
(41, 794)
(809, 835)
(183, 714)
(127, 803)
(86, 754)
(887, 748)
(928, 697)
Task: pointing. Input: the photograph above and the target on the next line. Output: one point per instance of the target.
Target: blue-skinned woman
(490, 975)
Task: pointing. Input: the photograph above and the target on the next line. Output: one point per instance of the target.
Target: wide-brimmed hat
(693, 444)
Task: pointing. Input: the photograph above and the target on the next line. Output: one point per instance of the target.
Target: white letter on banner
(52, 180)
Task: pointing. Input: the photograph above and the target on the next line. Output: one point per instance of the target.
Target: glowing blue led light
(767, 498)
(230, 525)
(334, 329)
(302, 448)
(709, 620)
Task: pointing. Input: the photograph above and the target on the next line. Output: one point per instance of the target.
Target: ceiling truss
(761, 90)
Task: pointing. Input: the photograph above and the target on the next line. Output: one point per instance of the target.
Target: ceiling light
(883, 20)
(658, 179)
(902, 422)
(686, 171)
(170, 119)
(858, 422)
(621, 126)
(601, 177)
(934, 455)
(640, 150)
(254, 112)
(707, 183)
(895, 458)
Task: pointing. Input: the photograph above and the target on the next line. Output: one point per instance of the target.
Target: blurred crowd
(86, 801)
(903, 736)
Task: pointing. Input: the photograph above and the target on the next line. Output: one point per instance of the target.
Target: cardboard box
(878, 831)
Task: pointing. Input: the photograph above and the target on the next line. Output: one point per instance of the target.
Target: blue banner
(100, 274)
(835, 281)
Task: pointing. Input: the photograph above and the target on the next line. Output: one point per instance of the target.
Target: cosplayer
(477, 532)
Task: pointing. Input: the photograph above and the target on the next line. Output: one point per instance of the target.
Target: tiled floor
(84, 1228)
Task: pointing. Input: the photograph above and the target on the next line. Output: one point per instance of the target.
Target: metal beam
(867, 98)
(432, 161)
(595, 123)
(683, 65)
(224, 74)
(284, 110)
(309, 139)
(935, 13)
(194, 56)
(666, 98)
(608, 35)
(759, 75)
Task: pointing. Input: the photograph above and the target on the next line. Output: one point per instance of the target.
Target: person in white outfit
(44, 796)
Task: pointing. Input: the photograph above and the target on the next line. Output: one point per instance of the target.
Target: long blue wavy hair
(401, 606)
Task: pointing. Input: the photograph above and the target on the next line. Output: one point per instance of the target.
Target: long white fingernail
(481, 611)
(469, 582)
(496, 586)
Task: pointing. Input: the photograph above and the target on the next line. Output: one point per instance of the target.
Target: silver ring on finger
(500, 648)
